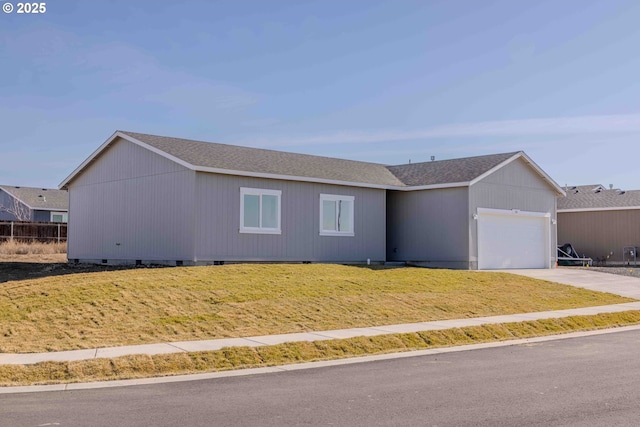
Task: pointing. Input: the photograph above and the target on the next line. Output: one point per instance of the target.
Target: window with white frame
(260, 211)
(59, 217)
(336, 215)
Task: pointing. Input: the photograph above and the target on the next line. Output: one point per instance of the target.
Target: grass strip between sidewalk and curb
(145, 366)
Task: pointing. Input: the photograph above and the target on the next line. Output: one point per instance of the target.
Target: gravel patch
(621, 270)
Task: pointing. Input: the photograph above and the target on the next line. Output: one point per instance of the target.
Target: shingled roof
(247, 161)
(45, 199)
(448, 171)
(597, 197)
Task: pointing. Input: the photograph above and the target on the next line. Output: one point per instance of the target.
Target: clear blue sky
(378, 81)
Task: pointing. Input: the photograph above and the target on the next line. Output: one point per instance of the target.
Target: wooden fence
(33, 231)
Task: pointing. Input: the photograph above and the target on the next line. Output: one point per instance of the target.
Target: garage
(510, 239)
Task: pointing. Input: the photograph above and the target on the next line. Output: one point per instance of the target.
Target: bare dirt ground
(23, 267)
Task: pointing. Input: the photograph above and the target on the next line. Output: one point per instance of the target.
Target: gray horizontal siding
(598, 234)
(218, 222)
(514, 186)
(428, 225)
(132, 204)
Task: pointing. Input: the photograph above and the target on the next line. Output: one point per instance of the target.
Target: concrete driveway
(583, 278)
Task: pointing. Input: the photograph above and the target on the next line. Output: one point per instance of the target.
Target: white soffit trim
(329, 181)
(291, 178)
(531, 163)
(433, 186)
(617, 208)
(514, 212)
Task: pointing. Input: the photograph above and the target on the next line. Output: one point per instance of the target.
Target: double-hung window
(260, 211)
(336, 215)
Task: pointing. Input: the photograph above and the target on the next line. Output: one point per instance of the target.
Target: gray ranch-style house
(601, 223)
(151, 199)
(33, 204)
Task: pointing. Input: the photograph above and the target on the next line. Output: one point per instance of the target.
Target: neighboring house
(142, 198)
(33, 204)
(599, 222)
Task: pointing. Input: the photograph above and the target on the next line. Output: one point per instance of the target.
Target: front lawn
(142, 305)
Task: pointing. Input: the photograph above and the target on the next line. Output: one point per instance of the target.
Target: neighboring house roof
(246, 161)
(43, 199)
(597, 198)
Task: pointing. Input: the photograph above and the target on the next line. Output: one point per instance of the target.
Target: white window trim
(259, 192)
(336, 198)
(65, 216)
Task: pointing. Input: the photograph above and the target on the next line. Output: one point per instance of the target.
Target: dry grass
(142, 366)
(174, 304)
(14, 247)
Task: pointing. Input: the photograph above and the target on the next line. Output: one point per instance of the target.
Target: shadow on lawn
(12, 271)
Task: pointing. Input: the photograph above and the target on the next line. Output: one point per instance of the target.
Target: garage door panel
(512, 241)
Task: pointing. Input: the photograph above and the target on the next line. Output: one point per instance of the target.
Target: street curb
(305, 365)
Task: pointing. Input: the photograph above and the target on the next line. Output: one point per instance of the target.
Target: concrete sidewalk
(603, 282)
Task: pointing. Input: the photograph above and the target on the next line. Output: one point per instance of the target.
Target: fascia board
(327, 181)
(433, 186)
(531, 163)
(617, 208)
(88, 160)
(190, 166)
(107, 143)
(158, 152)
(291, 178)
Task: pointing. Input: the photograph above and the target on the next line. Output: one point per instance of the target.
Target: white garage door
(512, 239)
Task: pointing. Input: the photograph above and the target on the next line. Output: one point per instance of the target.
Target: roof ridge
(249, 148)
(460, 158)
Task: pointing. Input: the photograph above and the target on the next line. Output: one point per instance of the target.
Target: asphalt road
(592, 381)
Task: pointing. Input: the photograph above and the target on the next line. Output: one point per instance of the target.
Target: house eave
(291, 178)
(604, 209)
(65, 183)
(531, 163)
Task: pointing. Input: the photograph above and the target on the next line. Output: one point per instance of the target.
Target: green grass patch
(138, 306)
(142, 366)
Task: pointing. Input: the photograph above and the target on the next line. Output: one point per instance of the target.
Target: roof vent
(598, 190)
(433, 158)
(610, 186)
(621, 192)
